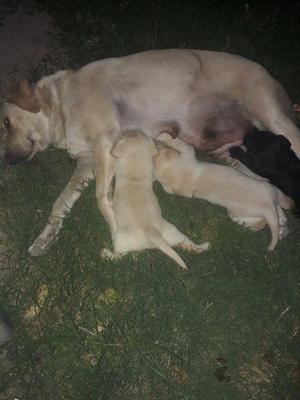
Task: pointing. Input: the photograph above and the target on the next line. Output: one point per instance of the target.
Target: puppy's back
(137, 212)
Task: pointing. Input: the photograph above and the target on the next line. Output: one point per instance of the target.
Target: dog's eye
(6, 123)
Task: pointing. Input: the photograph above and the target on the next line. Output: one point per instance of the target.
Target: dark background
(265, 31)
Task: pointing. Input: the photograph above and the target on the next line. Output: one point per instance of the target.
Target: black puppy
(271, 156)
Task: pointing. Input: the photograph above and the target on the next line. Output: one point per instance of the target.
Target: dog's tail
(155, 237)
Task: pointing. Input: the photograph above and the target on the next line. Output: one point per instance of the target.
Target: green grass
(141, 328)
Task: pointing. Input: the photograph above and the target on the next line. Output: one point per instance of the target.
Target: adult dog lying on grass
(208, 99)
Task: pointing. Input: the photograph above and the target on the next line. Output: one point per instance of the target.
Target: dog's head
(261, 141)
(24, 128)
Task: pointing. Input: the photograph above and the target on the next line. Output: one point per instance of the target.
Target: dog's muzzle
(14, 158)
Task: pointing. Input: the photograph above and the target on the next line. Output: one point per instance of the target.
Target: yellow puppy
(250, 202)
(138, 219)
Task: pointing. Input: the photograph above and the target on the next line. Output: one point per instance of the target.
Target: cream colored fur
(250, 202)
(85, 112)
(139, 222)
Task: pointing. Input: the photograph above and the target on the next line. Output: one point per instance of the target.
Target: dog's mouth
(16, 157)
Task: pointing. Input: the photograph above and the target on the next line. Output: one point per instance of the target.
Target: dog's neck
(56, 131)
(48, 94)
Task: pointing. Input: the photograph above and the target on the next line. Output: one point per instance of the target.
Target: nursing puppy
(250, 202)
(139, 223)
(271, 156)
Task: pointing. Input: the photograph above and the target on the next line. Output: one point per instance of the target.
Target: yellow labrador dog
(139, 223)
(250, 202)
(208, 99)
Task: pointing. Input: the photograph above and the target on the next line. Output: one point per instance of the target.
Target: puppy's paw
(108, 254)
(233, 162)
(202, 247)
(283, 231)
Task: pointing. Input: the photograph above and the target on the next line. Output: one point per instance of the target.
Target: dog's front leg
(84, 172)
(105, 170)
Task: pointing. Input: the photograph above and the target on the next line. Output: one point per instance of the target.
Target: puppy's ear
(169, 151)
(118, 149)
(284, 142)
(154, 148)
(23, 96)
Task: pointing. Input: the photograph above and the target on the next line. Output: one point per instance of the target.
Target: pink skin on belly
(196, 141)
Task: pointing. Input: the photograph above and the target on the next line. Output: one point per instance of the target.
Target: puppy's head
(165, 153)
(260, 141)
(133, 142)
(24, 128)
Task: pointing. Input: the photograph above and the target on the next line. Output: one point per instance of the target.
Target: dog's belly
(182, 94)
(210, 123)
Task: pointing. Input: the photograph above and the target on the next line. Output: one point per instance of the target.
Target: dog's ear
(169, 151)
(154, 148)
(284, 142)
(23, 96)
(118, 149)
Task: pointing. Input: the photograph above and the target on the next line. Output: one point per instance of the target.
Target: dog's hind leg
(175, 238)
(62, 206)
(269, 103)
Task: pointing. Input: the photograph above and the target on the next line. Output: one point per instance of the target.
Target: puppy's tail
(285, 202)
(155, 237)
(272, 218)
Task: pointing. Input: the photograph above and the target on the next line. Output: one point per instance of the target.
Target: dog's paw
(202, 247)
(39, 247)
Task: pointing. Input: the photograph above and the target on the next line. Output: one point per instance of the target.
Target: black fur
(271, 156)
